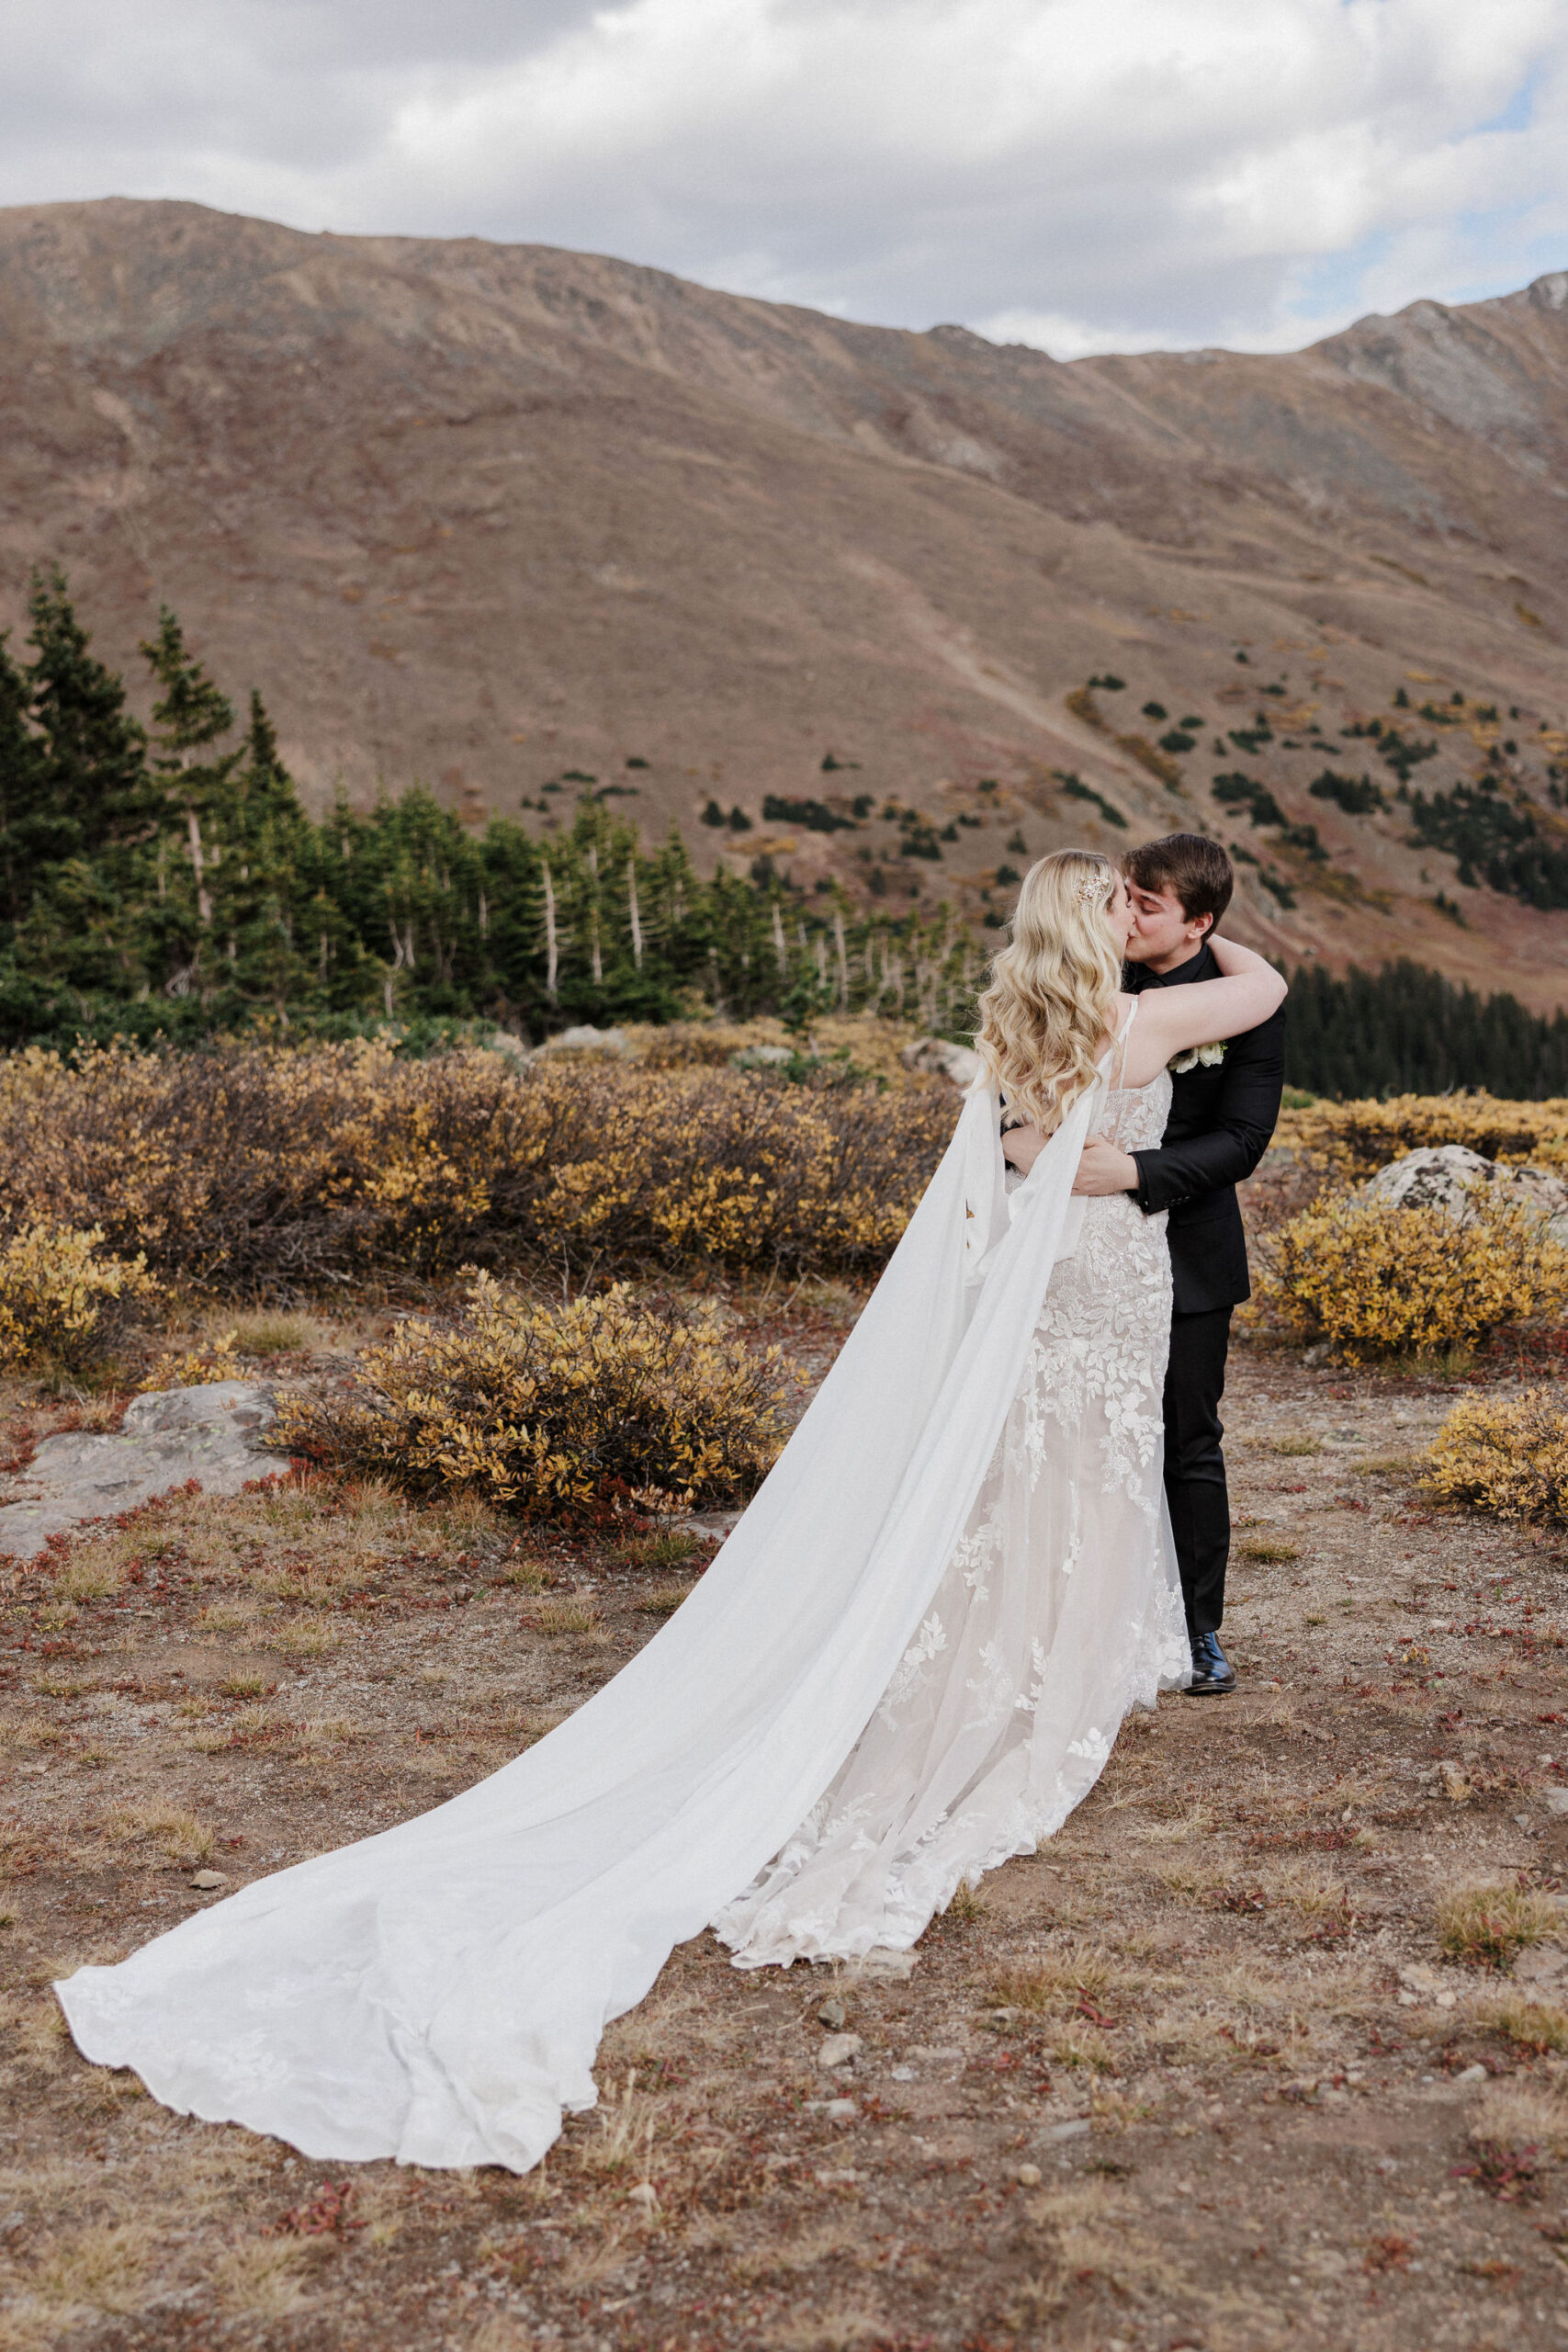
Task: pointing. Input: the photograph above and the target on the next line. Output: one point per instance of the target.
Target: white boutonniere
(1209, 1055)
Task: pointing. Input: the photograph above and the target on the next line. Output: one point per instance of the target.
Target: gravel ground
(1201, 2073)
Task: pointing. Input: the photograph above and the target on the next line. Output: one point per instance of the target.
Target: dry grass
(832, 2327)
(1087, 2231)
(1315, 1894)
(85, 1580)
(1074, 2047)
(501, 2333)
(567, 1615)
(1489, 1926)
(299, 1637)
(181, 1836)
(1534, 2028)
(1195, 1823)
(250, 1727)
(334, 1731)
(650, 1553)
(1300, 1443)
(620, 2137)
(1200, 1876)
(526, 1575)
(271, 1333)
(34, 2029)
(665, 1599)
(1267, 1551)
(103, 2268)
(32, 1731)
(1060, 1980)
(835, 2238)
(1514, 2119)
(265, 2279)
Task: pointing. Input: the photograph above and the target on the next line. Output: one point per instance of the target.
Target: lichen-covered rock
(1444, 1176)
(211, 1434)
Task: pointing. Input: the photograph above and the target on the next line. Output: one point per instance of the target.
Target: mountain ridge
(489, 516)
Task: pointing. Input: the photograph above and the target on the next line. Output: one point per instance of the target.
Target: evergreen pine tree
(89, 814)
(30, 836)
(94, 774)
(189, 717)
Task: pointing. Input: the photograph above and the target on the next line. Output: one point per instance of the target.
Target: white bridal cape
(437, 1994)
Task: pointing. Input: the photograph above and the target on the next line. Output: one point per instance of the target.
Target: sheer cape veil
(436, 1993)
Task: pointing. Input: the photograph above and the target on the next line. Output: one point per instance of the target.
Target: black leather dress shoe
(1213, 1673)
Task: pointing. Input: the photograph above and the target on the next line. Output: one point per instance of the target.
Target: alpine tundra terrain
(1266, 2050)
(908, 608)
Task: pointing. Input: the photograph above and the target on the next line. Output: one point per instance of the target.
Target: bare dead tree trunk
(551, 955)
(193, 833)
(637, 923)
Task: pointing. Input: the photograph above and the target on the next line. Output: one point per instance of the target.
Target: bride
(908, 1662)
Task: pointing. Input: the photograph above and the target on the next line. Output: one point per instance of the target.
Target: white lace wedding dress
(1058, 1611)
(908, 1661)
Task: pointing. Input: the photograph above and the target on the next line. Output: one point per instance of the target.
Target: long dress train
(436, 1993)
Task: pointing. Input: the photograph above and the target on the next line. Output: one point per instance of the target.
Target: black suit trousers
(1194, 1465)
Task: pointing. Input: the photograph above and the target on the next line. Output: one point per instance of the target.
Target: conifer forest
(165, 880)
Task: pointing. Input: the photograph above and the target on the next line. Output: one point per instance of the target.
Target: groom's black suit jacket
(1220, 1119)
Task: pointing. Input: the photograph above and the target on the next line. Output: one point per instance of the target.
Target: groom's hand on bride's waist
(1022, 1146)
(1105, 1169)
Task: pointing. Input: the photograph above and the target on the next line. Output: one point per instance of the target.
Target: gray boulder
(1445, 1175)
(212, 1433)
(940, 1057)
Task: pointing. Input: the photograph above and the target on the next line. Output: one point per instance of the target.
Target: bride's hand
(1022, 1146)
(1105, 1169)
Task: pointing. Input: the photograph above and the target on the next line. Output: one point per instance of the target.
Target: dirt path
(1161, 2086)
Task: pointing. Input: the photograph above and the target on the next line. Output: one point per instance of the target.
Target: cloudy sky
(1086, 175)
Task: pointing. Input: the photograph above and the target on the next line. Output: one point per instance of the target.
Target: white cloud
(1088, 175)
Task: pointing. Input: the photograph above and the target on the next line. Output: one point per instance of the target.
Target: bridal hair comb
(1091, 887)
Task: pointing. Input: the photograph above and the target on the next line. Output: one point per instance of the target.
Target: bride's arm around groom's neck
(1174, 1020)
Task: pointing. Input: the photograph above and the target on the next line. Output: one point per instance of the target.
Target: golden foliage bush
(1376, 1280)
(61, 1295)
(264, 1168)
(553, 1412)
(1505, 1455)
(1355, 1140)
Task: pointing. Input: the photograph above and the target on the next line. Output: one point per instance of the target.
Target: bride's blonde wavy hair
(1052, 996)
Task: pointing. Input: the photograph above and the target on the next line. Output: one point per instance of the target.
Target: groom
(1222, 1111)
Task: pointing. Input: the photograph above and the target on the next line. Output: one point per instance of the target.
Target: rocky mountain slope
(505, 519)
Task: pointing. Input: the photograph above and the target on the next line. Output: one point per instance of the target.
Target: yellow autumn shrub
(61, 1295)
(1505, 1455)
(266, 1168)
(1355, 1140)
(562, 1412)
(1376, 1280)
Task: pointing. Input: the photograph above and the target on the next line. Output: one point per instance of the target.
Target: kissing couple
(1000, 1524)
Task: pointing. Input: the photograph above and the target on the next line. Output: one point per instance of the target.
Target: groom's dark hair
(1196, 868)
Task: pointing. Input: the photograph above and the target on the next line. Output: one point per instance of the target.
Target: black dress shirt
(1222, 1116)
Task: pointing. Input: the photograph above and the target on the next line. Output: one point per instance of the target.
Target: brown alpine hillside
(498, 519)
